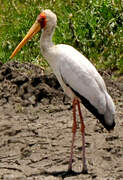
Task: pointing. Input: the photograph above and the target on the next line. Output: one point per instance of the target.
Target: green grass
(93, 27)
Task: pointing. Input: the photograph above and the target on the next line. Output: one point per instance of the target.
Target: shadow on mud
(63, 174)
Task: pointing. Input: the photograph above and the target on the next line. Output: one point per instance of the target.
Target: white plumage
(82, 76)
(77, 76)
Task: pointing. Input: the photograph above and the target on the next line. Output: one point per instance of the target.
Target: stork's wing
(79, 74)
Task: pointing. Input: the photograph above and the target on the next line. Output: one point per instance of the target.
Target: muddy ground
(35, 129)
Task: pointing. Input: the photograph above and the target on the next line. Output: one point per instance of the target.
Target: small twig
(71, 26)
(113, 2)
(13, 3)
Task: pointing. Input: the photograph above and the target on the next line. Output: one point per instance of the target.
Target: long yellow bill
(36, 27)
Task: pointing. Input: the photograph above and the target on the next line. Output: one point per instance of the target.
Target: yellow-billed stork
(77, 76)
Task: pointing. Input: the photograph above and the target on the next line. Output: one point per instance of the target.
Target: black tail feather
(94, 111)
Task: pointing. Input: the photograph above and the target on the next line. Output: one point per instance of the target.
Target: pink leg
(85, 170)
(74, 133)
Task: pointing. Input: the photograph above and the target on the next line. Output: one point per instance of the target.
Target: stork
(77, 76)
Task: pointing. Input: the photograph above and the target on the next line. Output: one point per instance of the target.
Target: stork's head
(46, 19)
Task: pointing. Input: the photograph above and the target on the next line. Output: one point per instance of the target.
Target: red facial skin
(42, 19)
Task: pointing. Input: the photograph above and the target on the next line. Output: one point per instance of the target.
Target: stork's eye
(43, 18)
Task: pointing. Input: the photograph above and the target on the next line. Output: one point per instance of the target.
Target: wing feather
(78, 72)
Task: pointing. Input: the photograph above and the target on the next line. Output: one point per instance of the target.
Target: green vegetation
(93, 27)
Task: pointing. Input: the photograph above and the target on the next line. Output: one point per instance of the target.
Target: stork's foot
(85, 170)
(70, 171)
